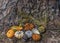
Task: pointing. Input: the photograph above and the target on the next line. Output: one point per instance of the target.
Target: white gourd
(35, 31)
(19, 34)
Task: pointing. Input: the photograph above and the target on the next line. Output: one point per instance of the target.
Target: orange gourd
(31, 26)
(10, 33)
(28, 26)
(36, 37)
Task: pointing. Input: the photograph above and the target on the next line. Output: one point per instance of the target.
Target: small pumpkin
(10, 33)
(17, 28)
(26, 26)
(28, 33)
(35, 31)
(29, 26)
(19, 34)
(41, 29)
(36, 37)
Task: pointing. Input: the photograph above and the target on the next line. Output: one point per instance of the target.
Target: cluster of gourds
(28, 29)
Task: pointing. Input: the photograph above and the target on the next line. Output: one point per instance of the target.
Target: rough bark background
(9, 17)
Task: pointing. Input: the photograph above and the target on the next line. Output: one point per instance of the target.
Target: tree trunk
(45, 11)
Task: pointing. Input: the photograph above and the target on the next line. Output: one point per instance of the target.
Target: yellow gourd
(18, 28)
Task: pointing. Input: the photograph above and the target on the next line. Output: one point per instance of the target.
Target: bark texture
(39, 9)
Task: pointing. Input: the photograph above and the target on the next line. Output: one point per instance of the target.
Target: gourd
(28, 26)
(36, 37)
(28, 34)
(19, 34)
(10, 33)
(41, 29)
(31, 26)
(18, 28)
(35, 31)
